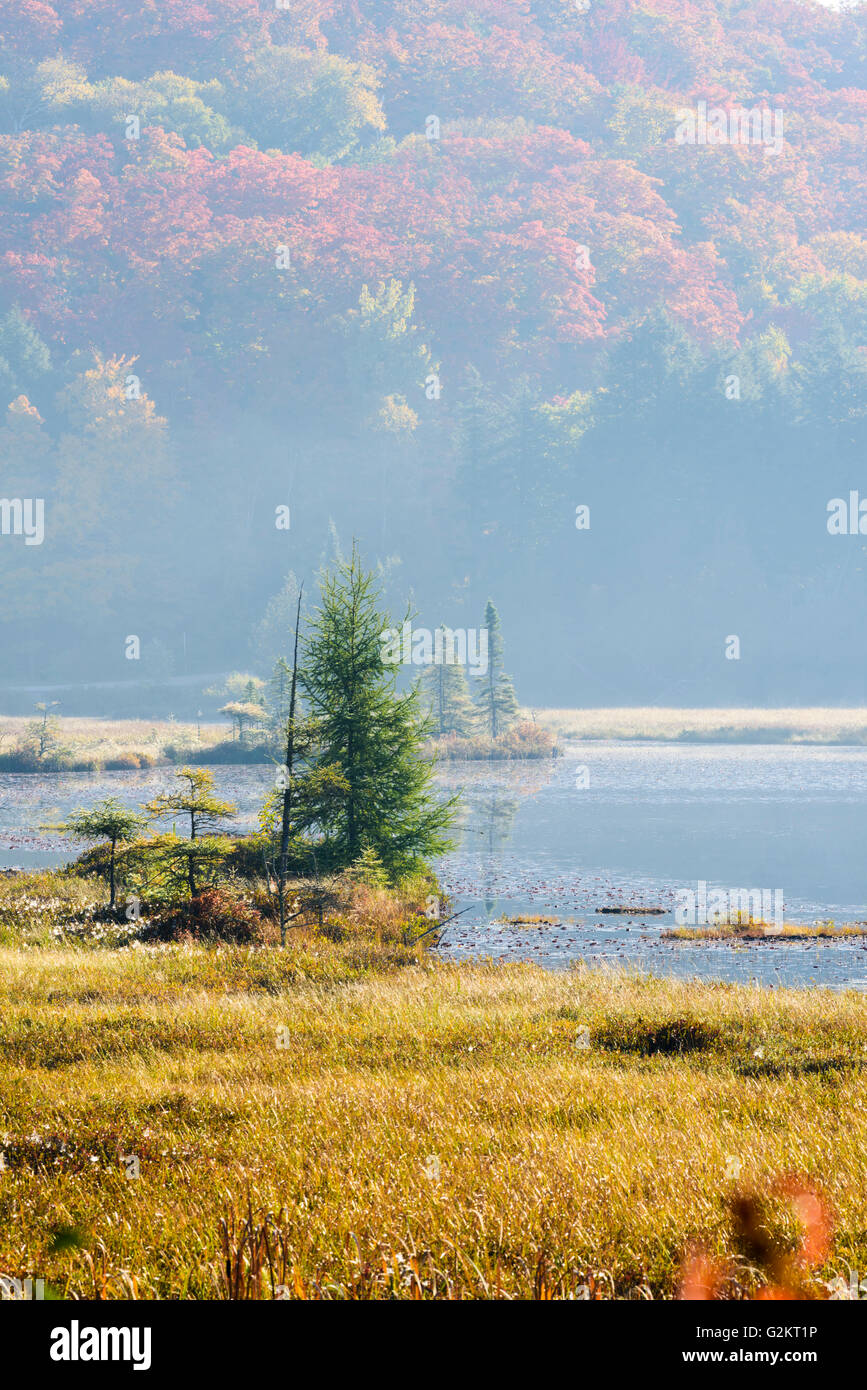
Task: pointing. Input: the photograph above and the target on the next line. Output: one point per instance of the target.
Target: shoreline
(93, 744)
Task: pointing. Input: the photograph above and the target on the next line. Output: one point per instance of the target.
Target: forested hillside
(435, 274)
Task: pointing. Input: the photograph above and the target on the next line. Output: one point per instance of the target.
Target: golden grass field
(343, 1120)
(815, 725)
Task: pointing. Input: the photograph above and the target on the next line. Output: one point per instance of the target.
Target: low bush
(212, 915)
(674, 1036)
(129, 762)
(524, 740)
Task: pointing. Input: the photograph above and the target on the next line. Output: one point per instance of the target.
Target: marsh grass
(114, 744)
(37, 908)
(525, 740)
(811, 725)
(534, 921)
(351, 1118)
(765, 931)
(95, 744)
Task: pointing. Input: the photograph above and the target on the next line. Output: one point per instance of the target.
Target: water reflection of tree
(489, 808)
(515, 778)
(488, 826)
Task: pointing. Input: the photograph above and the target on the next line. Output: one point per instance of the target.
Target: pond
(653, 819)
(607, 824)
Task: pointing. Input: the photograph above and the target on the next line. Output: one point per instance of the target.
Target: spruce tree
(496, 698)
(379, 793)
(446, 693)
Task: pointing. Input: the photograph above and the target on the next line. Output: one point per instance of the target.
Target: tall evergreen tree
(280, 693)
(24, 357)
(496, 698)
(368, 733)
(446, 693)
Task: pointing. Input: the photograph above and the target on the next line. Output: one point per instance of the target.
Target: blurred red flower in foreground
(787, 1271)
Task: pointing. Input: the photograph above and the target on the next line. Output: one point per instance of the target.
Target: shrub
(212, 915)
(674, 1036)
(528, 740)
(229, 751)
(124, 762)
(369, 869)
(21, 760)
(25, 759)
(525, 740)
(369, 907)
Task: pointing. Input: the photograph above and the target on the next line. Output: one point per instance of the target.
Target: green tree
(384, 359)
(279, 697)
(496, 699)
(194, 863)
(655, 367)
(305, 101)
(513, 469)
(107, 820)
(446, 693)
(35, 94)
(196, 800)
(640, 120)
(244, 714)
(166, 99)
(24, 357)
(115, 479)
(368, 734)
(240, 685)
(29, 593)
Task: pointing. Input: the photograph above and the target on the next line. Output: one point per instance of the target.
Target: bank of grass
(336, 1122)
(761, 931)
(375, 926)
(95, 745)
(524, 740)
(812, 725)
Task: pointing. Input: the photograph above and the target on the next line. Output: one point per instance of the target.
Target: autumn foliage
(293, 217)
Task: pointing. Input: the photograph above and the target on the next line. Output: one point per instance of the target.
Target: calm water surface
(653, 819)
